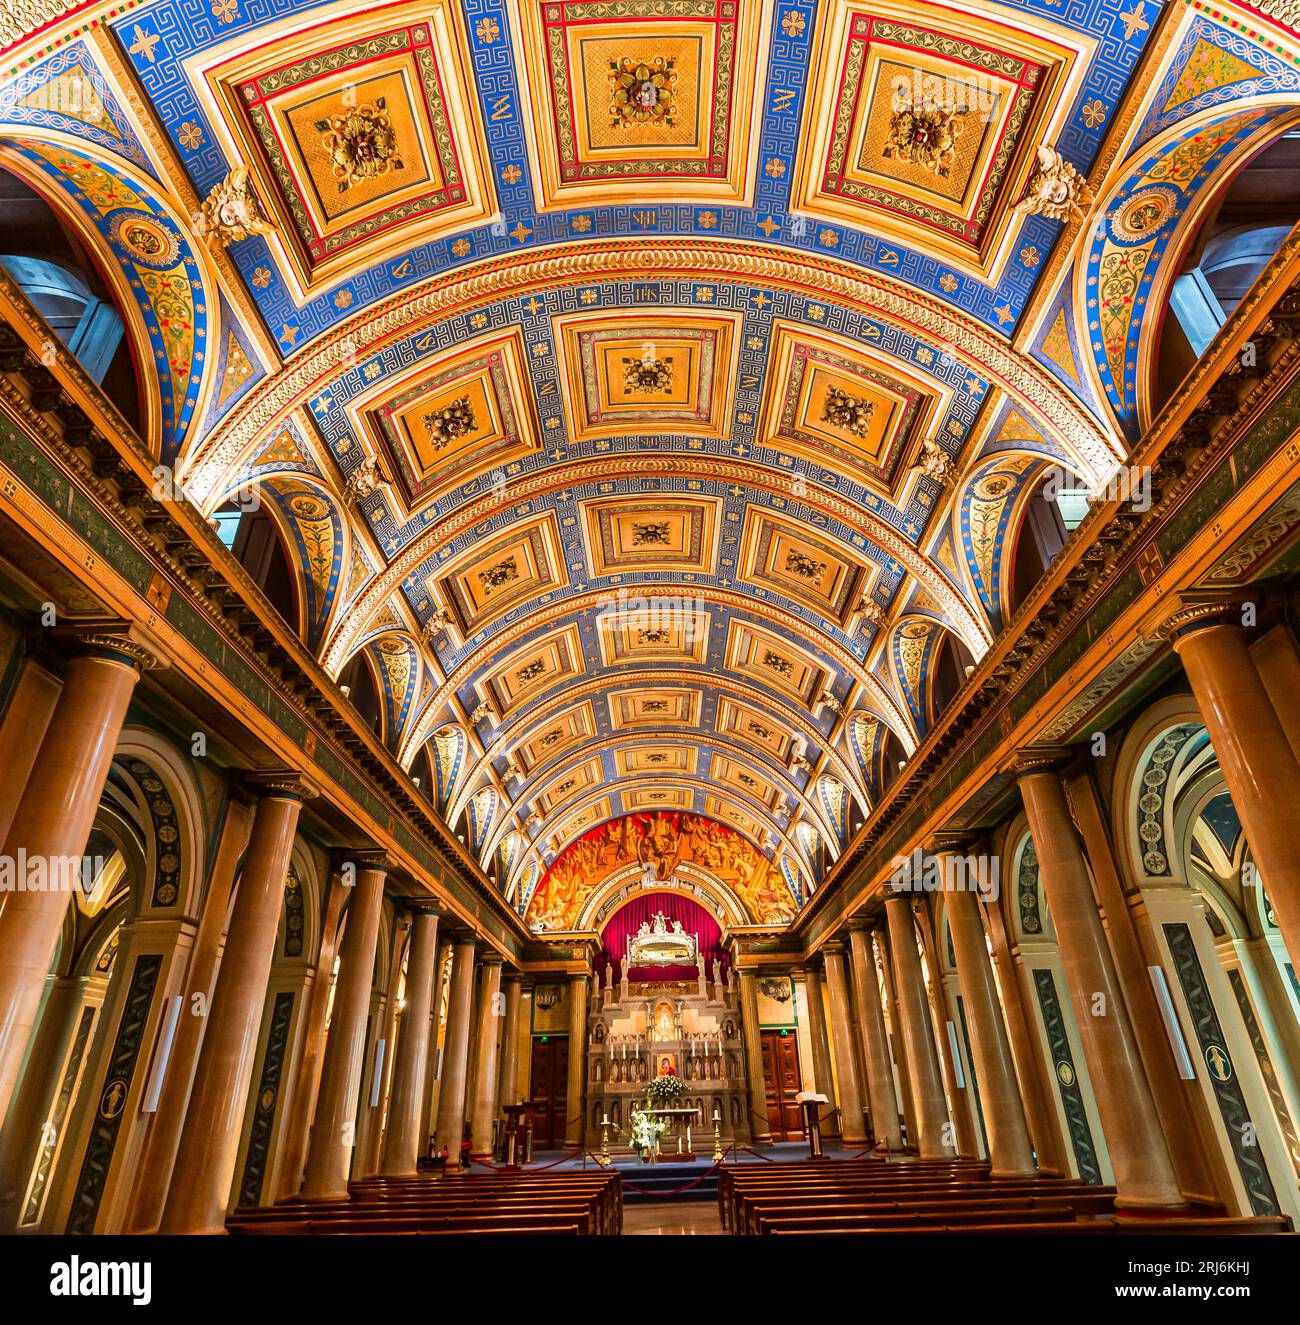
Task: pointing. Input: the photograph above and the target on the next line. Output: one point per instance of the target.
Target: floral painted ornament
(641, 93)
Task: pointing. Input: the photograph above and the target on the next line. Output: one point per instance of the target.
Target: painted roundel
(1141, 217)
(307, 506)
(146, 240)
(994, 486)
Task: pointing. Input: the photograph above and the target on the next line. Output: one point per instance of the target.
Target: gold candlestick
(604, 1142)
(717, 1137)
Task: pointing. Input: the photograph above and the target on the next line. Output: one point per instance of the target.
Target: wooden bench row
(566, 1202)
(935, 1196)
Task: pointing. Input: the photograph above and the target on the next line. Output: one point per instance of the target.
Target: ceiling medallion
(804, 566)
(924, 132)
(781, 666)
(502, 573)
(530, 672)
(361, 144)
(647, 376)
(653, 635)
(852, 413)
(450, 422)
(641, 93)
(650, 534)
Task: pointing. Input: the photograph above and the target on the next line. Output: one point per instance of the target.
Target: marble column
(823, 1077)
(154, 1166)
(1277, 660)
(441, 975)
(209, 1147)
(1144, 1175)
(1259, 764)
(574, 1096)
(1010, 1151)
(302, 1102)
(934, 1134)
(333, 1129)
(508, 1089)
(23, 1134)
(455, 1053)
(761, 1129)
(31, 703)
(1193, 1164)
(877, 1063)
(842, 1034)
(50, 829)
(491, 1009)
(403, 1139)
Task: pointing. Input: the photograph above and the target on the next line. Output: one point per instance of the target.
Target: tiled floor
(674, 1217)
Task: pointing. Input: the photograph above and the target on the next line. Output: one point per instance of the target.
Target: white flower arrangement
(646, 1131)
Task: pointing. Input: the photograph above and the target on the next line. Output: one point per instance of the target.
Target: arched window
(358, 683)
(949, 670)
(1244, 228)
(48, 262)
(1042, 534)
(255, 540)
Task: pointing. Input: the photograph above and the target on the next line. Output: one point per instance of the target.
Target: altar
(679, 1023)
(683, 1118)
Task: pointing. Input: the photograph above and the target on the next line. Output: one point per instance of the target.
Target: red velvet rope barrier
(672, 1191)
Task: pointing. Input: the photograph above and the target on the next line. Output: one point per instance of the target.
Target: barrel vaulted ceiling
(647, 387)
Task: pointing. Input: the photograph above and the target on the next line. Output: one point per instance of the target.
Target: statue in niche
(717, 978)
(609, 974)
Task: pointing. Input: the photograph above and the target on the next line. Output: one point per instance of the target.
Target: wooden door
(781, 1083)
(550, 1087)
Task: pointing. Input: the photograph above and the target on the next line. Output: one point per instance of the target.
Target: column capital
(369, 858)
(833, 948)
(954, 841)
(492, 958)
(284, 783)
(1039, 759)
(114, 638)
(420, 907)
(862, 924)
(1202, 609)
(812, 968)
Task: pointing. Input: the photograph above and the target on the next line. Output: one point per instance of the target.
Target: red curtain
(629, 918)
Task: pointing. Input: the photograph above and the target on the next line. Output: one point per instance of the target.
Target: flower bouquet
(645, 1133)
(664, 1092)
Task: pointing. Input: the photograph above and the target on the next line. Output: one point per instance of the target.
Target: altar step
(668, 1182)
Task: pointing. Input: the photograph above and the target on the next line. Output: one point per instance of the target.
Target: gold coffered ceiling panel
(636, 373)
(930, 122)
(573, 783)
(785, 559)
(667, 707)
(536, 667)
(648, 533)
(525, 563)
(623, 98)
(452, 418)
(729, 812)
(666, 760)
(727, 772)
(831, 400)
(680, 637)
(359, 141)
(753, 727)
(561, 733)
(774, 661)
(657, 798)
